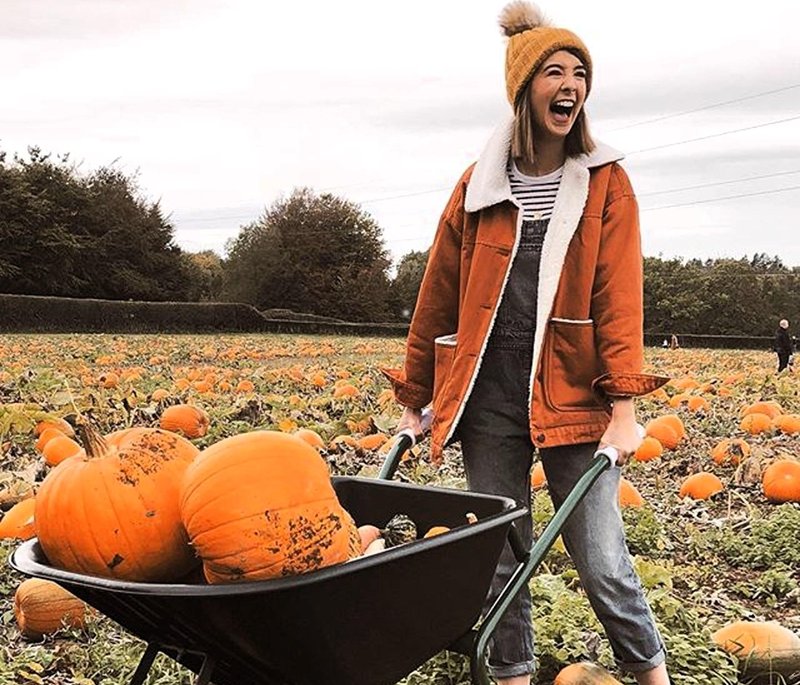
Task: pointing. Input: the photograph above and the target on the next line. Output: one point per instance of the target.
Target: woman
(527, 333)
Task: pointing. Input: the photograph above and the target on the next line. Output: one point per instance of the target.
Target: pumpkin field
(711, 503)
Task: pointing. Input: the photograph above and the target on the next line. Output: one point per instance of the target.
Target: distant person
(673, 342)
(665, 344)
(783, 344)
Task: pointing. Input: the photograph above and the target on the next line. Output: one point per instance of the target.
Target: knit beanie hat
(531, 40)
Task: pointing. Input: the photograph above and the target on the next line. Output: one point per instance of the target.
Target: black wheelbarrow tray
(370, 621)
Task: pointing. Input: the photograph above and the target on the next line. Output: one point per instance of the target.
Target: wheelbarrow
(369, 621)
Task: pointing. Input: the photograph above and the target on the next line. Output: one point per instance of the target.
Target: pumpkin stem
(94, 443)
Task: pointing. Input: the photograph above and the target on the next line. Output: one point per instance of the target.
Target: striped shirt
(535, 194)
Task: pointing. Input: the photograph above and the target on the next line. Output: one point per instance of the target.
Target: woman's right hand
(411, 420)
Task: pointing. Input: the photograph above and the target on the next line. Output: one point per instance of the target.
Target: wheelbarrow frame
(473, 643)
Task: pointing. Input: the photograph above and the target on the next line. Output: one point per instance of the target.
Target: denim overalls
(498, 453)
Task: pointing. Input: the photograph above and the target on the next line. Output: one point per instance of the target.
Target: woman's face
(558, 91)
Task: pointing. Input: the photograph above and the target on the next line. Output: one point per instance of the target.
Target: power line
(721, 199)
(706, 107)
(719, 183)
(714, 135)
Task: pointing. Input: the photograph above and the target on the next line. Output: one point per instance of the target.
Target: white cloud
(224, 106)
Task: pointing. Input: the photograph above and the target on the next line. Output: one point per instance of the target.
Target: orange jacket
(588, 343)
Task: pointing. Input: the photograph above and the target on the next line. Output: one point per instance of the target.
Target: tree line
(69, 233)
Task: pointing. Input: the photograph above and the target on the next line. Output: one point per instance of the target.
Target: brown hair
(578, 141)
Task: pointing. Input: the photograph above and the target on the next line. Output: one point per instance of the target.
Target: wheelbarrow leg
(204, 677)
(523, 573)
(145, 663)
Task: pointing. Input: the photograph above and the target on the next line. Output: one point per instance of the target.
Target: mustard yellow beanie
(531, 40)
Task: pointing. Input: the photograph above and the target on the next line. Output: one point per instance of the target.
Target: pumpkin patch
(706, 562)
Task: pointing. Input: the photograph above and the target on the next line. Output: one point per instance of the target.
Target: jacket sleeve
(617, 299)
(436, 312)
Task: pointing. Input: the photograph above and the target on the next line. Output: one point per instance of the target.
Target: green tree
(65, 233)
(317, 254)
(205, 270)
(406, 283)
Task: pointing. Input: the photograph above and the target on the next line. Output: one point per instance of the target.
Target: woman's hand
(411, 420)
(623, 431)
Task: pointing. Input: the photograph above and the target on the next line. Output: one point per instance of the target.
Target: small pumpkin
(56, 423)
(650, 449)
(756, 423)
(368, 534)
(399, 530)
(667, 429)
(46, 436)
(787, 423)
(730, 451)
(113, 511)
(17, 522)
(311, 437)
(371, 442)
(538, 479)
(585, 673)
(760, 646)
(60, 448)
(628, 494)
(41, 607)
(771, 409)
(186, 419)
(781, 481)
(701, 486)
(261, 505)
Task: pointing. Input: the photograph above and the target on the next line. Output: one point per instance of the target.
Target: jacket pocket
(570, 365)
(444, 352)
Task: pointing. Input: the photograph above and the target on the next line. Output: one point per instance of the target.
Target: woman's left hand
(623, 431)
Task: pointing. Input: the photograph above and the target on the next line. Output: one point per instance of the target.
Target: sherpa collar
(489, 183)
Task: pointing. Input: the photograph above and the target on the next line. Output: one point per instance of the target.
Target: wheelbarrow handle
(404, 441)
(604, 459)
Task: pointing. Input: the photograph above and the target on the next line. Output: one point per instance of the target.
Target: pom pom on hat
(531, 40)
(519, 16)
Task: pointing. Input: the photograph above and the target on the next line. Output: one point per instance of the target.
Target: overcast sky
(222, 107)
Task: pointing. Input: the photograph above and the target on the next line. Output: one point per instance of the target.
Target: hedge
(37, 314)
(33, 313)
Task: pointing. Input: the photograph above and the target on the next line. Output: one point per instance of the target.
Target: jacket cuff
(407, 393)
(626, 384)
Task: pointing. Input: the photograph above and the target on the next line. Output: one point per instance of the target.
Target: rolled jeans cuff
(641, 666)
(512, 670)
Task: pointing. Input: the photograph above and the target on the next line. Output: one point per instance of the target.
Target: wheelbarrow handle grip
(609, 452)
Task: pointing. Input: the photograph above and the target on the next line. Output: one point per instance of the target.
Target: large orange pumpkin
(113, 511)
(781, 481)
(186, 419)
(261, 505)
(42, 607)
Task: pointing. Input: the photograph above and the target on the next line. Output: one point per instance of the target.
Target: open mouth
(562, 109)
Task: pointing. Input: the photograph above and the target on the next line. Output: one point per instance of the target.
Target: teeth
(565, 103)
